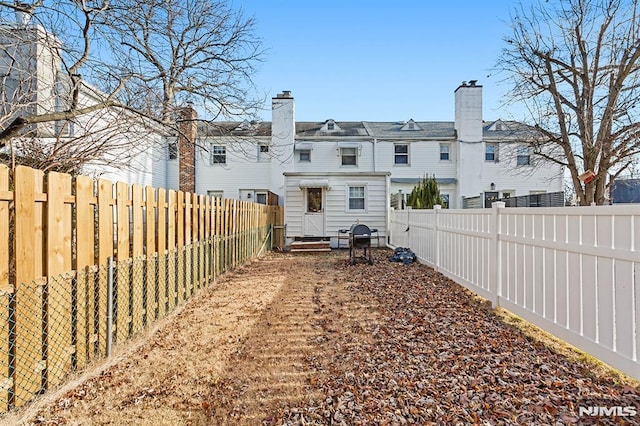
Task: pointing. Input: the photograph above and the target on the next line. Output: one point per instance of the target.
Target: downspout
(375, 148)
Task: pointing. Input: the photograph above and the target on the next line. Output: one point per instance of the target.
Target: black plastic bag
(404, 255)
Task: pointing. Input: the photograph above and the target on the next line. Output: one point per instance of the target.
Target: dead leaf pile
(441, 355)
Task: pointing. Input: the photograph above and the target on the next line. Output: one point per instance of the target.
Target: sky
(356, 60)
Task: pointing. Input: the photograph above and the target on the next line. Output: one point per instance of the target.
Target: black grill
(360, 239)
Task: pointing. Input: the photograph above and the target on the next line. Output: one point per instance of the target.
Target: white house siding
(160, 164)
(141, 170)
(241, 171)
(337, 215)
(173, 179)
(506, 175)
(325, 156)
(424, 158)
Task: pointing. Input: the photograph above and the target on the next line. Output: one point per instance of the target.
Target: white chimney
(468, 125)
(23, 14)
(468, 99)
(283, 132)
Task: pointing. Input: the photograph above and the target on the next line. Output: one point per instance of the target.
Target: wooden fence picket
(180, 241)
(6, 292)
(27, 356)
(58, 295)
(161, 252)
(174, 251)
(106, 239)
(85, 259)
(151, 258)
(137, 281)
(122, 286)
(54, 309)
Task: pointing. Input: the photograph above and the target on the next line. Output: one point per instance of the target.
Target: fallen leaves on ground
(340, 344)
(440, 355)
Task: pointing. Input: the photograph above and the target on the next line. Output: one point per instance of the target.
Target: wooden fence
(572, 271)
(58, 235)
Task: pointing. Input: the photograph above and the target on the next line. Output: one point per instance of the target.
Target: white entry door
(314, 212)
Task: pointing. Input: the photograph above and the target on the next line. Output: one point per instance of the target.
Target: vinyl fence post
(408, 245)
(436, 237)
(495, 273)
(109, 304)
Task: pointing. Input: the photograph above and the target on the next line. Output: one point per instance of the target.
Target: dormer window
(245, 125)
(499, 126)
(411, 125)
(330, 126)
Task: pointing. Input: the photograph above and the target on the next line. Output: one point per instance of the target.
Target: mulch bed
(440, 355)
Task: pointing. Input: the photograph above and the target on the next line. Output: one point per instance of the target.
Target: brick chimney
(188, 131)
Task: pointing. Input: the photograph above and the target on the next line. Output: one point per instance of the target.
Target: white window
(218, 154)
(356, 197)
(263, 152)
(349, 156)
(261, 197)
(491, 152)
(173, 150)
(523, 157)
(331, 125)
(401, 153)
(444, 151)
(305, 155)
(215, 193)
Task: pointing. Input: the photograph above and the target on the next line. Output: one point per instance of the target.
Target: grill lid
(359, 229)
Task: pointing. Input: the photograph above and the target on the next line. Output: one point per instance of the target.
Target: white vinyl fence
(572, 271)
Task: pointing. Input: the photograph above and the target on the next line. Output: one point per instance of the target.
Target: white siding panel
(241, 171)
(424, 158)
(337, 215)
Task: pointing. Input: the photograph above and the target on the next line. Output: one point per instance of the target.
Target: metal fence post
(109, 304)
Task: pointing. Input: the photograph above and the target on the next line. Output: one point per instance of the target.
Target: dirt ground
(313, 340)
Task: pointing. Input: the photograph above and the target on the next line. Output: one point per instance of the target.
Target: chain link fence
(52, 327)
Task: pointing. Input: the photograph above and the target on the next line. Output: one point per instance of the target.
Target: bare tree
(575, 64)
(144, 59)
(202, 52)
(42, 61)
